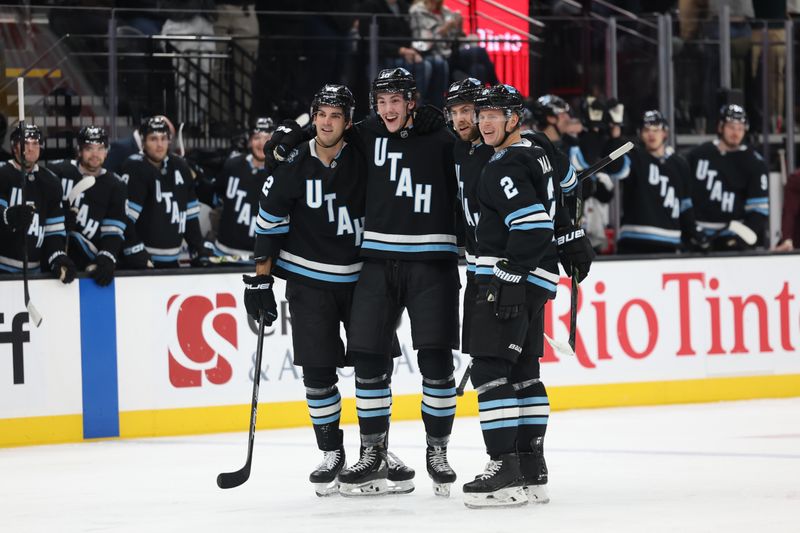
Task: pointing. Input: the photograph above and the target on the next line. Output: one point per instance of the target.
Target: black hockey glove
(202, 256)
(507, 290)
(574, 251)
(697, 240)
(104, 266)
(138, 260)
(428, 118)
(259, 298)
(18, 217)
(286, 138)
(63, 267)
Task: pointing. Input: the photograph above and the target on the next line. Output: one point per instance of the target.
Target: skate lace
(492, 467)
(329, 460)
(438, 459)
(365, 461)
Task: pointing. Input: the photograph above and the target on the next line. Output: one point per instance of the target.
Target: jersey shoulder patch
(498, 155)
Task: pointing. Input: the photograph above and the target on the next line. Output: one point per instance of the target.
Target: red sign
(202, 339)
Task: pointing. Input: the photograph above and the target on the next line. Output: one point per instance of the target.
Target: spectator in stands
(790, 223)
(436, 31)
(237, 19)
(396, 50)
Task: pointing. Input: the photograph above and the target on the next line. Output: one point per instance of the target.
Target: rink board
(174, 354)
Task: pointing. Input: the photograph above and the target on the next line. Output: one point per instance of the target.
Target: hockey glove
(139, 259)
(203, 255)
(259, 298)
(18, 217)
(574, 251)
(103, 271)
(697, 240)
(63, 267)
(428, 119)
(507, 290)
(286, 138)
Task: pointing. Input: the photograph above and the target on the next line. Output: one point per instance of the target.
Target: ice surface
(728, 467)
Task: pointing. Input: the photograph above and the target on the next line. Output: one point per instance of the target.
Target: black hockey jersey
(46, 234)
(162, 208)
(237, 190)
(411, 193)
(100, 217)
(517, 198)
(311, 217)
(729, 186)
(656, 199)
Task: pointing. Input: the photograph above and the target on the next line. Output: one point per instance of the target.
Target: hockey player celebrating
(237, 190)
(96, 218)
(31, 216)
(162, 206)
(730, 185)
(516, 272)
(656, 197)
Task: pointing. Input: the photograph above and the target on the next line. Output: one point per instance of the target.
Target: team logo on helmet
(733, 113)
(154, 125)
(654, 119)
(463, 92)
(263, 125)
(393, 80)
(92, 135)
(334, 96)
(503, 96)
(31, 133)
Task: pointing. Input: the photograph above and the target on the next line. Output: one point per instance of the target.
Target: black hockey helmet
(733, 113)
(155, 124)
(463, 92)
(654, 119)
(500, 96)
(335, 96)
(393, 80)
(263, 125)
(548, 105)
(31, 133)
(92, 135)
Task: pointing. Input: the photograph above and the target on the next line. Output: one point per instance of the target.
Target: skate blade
(508, 497)
(324, 490)
(401, 487)
(442, 489)
(537, 494)
(377, 487)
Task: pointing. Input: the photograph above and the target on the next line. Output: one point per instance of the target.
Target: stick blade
(303, 120)
(230, 480)
(560, 347)
(83, 185)
(34, 314)
(745, 233)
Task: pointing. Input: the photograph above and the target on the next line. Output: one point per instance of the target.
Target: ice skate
(534, 474)
(324, 477)
(368, 477)
(500, 485)
(439, 470)
(401, 476)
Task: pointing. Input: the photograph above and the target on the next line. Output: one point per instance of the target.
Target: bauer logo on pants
(202, 339)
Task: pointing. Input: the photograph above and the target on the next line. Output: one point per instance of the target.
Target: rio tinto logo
(202, 339)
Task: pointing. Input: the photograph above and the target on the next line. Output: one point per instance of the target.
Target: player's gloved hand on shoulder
(102, 271)
(286, 138)
(574, 251)
(63, 267)
(507, 290)
(697, 240)
(18, 217)
(259, 298)
(203, 255)
(428, 118)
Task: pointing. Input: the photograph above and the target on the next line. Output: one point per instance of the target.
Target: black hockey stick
(229, 480)
(463, 382)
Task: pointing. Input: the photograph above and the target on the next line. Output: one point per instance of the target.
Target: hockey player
(96, 219)
(516, 273)
(31, 216)
(237, 190)
(162, 206)
(730, 184)
(656, 197)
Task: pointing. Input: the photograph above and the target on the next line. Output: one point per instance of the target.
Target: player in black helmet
(162, 206)
(36, 213)
(730, 184)
(96, 219)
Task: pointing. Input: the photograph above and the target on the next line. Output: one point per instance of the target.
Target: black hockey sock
(497, 403)
(534, 412)
(438, 392)
(324, 406)
(373, 394)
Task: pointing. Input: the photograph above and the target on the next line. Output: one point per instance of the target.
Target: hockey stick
(229, 480)
(33, 313)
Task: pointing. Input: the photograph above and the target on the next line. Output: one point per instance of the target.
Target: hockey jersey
(411, 193)
(237, 191)
(100, 218)
(729, 186)
(46, 234)
(656, 199)
(311, 217)
(517, 197)
(162, 208)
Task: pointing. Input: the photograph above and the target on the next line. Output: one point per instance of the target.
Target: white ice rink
(723, 467)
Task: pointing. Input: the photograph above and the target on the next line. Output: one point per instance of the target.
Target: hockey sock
(324, 406)
(438, 392)
(497, 403)
(373, 394)
(534, 405)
